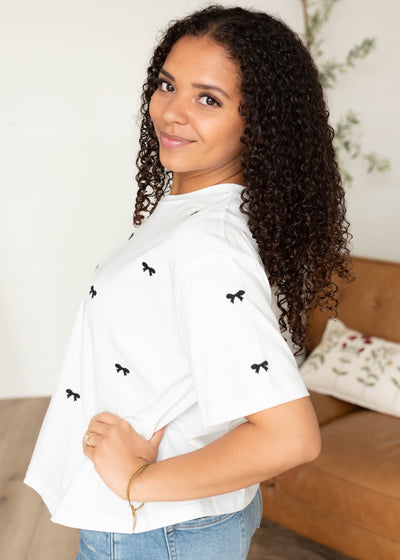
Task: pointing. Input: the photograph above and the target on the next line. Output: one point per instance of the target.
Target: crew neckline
(212, 189)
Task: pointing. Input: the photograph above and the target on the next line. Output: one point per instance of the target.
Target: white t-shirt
(176, 329)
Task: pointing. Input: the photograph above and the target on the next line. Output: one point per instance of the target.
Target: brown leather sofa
(349, 498)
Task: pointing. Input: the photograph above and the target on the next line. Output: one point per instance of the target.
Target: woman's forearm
(271, 442)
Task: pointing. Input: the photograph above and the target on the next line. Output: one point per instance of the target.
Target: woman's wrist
(138, 485)
(132, 479)
(134, 508)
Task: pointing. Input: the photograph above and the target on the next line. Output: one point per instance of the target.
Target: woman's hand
(117, 451)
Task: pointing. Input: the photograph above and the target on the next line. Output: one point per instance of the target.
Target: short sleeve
(239, 360)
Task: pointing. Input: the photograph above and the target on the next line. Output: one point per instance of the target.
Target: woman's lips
(173, 141)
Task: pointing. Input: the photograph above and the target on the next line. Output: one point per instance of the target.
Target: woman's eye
(209, 101)
(165, 86)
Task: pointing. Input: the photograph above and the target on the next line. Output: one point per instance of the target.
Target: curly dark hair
(293, 195)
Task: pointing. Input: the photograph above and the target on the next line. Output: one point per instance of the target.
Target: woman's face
(195, 112)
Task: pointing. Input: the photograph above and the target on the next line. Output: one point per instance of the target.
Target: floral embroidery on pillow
(356, 367)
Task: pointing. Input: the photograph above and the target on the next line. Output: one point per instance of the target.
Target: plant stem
(306, 22)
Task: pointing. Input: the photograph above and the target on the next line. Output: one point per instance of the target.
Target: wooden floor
(26, 532)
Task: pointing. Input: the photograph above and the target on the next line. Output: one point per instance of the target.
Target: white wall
(71, 78)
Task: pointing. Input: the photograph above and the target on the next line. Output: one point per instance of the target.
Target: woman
(177, 371)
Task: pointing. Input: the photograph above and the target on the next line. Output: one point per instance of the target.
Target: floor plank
(52, 541)
(26, 532)
(272, 542)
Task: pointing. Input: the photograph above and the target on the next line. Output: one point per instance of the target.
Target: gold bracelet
(134, 510)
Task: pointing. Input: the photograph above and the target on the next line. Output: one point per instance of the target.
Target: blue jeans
(216, 537)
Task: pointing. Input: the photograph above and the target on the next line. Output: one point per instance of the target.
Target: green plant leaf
(364, 382)
(397, 383)
(339, 372)
(316, 15)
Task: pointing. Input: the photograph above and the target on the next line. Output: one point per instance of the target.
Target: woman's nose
(177, 109)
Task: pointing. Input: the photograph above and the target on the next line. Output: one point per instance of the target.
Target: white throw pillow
(361, 369)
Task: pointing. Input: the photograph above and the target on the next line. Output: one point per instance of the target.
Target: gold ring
(86, 439)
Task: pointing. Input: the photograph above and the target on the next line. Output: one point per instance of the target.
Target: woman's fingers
(89, 439)
(117, 450)
(110, 431)
(101, 422)
(96, 428)
(89, 443)
(156, 438)
(106, 418)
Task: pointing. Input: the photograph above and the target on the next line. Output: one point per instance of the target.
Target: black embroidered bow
(147, 267)
(70, 393)
(238, 294)
(257, 367)
(124, 370)
(92, 292)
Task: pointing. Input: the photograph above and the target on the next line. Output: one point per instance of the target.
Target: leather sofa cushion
(329, 530)
(356, 477)
(329, 408)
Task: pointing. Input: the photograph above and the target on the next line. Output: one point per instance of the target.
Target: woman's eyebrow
(197, 85)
